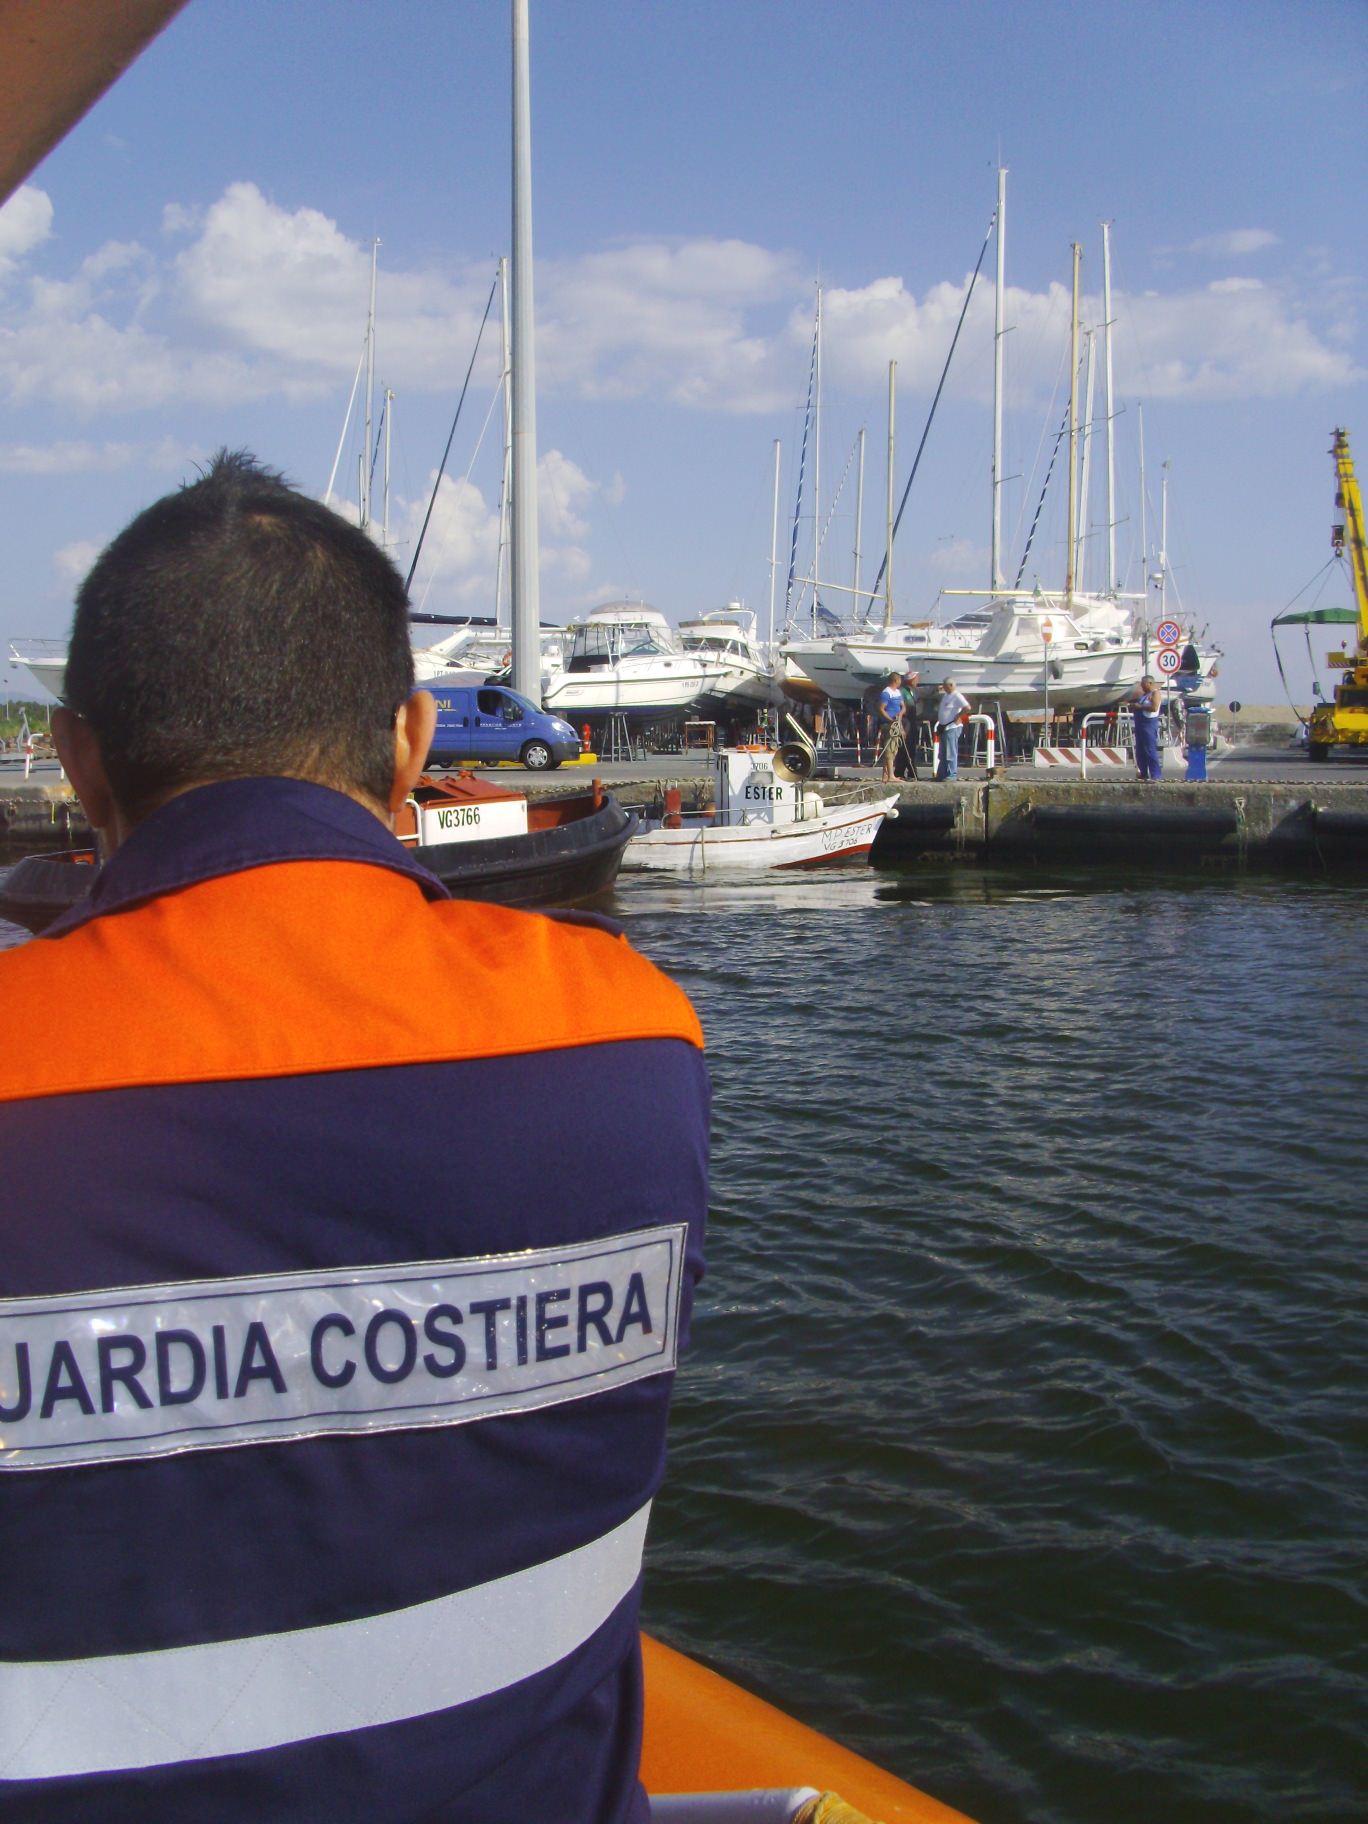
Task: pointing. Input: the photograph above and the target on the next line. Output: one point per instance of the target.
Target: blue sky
(189, 268)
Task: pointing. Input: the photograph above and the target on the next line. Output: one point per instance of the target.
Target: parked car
(488, 722)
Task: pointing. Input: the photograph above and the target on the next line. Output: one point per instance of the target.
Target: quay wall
(1165, 824)
(976, 820)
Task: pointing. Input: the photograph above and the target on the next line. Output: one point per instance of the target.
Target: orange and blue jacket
(347, 1239)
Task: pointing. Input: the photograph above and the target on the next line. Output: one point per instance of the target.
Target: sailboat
(1023, 650)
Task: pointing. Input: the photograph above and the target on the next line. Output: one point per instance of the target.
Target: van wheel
(538, 756)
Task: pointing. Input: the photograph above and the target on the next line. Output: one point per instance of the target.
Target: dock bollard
(990, 740)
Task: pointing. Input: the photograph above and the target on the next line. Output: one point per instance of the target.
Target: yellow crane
(1345, 721)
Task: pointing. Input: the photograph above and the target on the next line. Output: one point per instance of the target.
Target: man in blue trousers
(1145, 716)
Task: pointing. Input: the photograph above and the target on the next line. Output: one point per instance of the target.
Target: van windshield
(508, 705)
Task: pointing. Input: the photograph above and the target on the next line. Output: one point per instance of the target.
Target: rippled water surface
(1023, 1441)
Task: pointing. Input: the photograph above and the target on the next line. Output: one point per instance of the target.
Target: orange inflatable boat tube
(705, 1734)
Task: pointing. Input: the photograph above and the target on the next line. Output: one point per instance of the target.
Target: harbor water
(1023, 1442)
(1022, 1445)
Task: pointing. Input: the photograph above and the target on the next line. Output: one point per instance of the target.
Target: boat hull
(45, 661)
(845, 834)
(563, 864)
(675, 687)
(703, 1732)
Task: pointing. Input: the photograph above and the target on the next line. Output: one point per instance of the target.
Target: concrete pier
(1237, 826)
(1316, 819)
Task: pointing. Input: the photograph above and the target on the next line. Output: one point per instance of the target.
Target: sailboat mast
(1144, 547)
(888, 564)
(859, 529)
(998, 333)
(1113, 580)
(504, 484)
(1163, 540)
(1081, 546)
(526, 555)
(817, 461)
(389, 436)
(365, 502)
(774, 549)
(1073, 434)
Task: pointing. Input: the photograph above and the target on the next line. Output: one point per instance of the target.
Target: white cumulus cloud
(255, 300)
(25, 222)
(73, 562)
(72, 458)
(1234, 243)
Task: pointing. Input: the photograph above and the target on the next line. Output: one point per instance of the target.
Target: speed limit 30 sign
(1167, 661)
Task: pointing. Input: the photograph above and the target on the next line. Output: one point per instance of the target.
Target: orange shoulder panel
(311, 966)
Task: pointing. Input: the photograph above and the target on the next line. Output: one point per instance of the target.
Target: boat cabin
(626, 631)
(1026, 624)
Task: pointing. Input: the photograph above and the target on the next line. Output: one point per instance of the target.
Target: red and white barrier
(1082, 757)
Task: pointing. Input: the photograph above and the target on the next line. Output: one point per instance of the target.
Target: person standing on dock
(951, 707)
(906, 764)
(348, 1236)
(890, 708)
(1147, 700)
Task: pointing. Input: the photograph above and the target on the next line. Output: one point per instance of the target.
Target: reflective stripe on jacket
(273, 1047)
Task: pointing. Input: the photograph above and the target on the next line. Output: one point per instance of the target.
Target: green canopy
(1317, 617)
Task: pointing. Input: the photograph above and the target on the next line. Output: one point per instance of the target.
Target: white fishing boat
(625, 659)
(746, 683)
(766, 817)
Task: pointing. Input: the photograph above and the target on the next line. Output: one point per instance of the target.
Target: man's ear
(83, 763)
(414, 726)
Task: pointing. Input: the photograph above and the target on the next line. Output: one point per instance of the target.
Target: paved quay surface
(1259, 806)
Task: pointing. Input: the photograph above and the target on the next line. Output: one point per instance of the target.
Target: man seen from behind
(349, 1235)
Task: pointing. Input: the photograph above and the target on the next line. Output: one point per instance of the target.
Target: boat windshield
(605, 642)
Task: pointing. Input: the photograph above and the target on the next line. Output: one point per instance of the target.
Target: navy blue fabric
(268, 1176)
(235, 824)
(510, 1771)
(155, 1184)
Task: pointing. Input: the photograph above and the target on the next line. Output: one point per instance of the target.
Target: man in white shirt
(951, 707)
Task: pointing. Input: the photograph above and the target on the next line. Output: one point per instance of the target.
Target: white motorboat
(1022, 651)
(482, 646)
(746, 683)
(44, 661)
(625, 659)
(766, 818)
(475, 646)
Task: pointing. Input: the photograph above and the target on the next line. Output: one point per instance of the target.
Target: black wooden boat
(554, 851)
(560, 850)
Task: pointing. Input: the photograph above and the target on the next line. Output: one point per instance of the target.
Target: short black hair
(237, 628)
